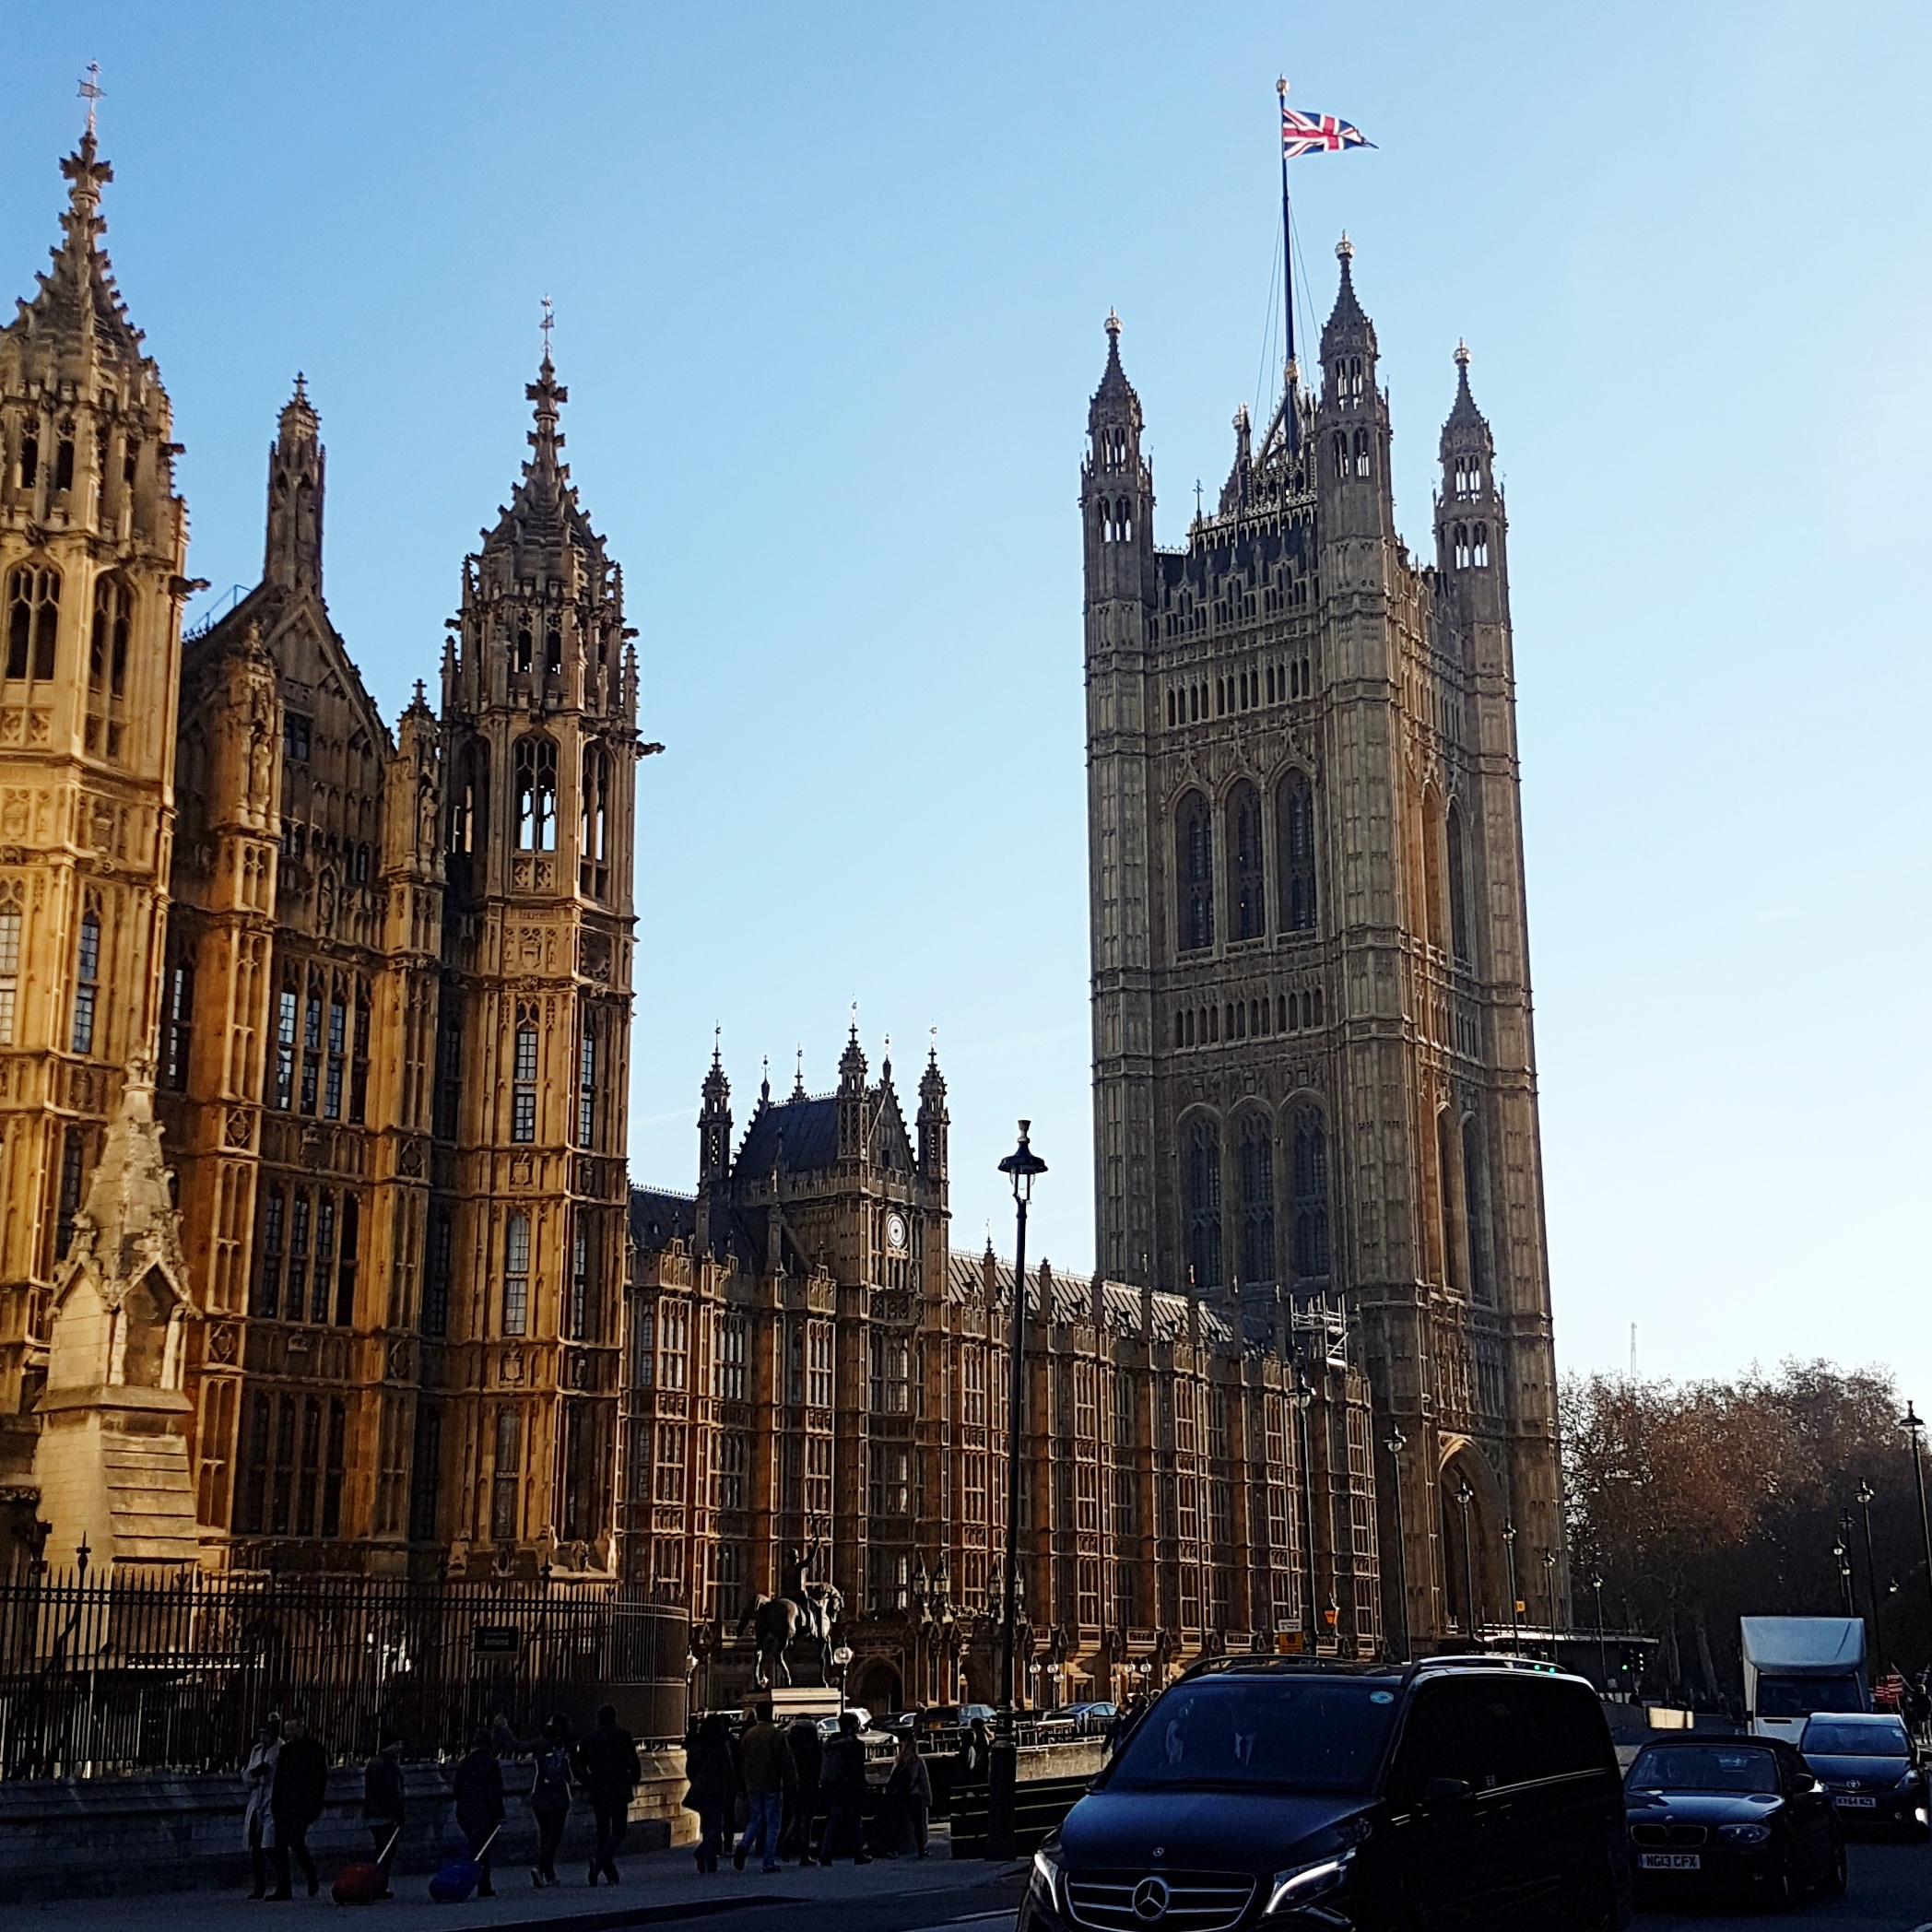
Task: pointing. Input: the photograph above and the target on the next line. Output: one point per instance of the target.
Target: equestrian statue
(806, 1609)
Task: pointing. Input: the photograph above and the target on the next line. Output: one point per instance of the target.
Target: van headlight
(1302, 1884)
(1047, 1878)
(1744, 1834)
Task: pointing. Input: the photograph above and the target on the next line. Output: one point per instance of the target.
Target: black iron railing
(165, 1671)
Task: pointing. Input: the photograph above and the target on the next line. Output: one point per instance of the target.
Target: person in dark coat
(807, 1751)
(909, 1800)
(712, 1779)
(479, 1785)
(842, 1778)
(296, 1798)
(609, 1770)
(383, 1805)
(551, 1797)
(975, 1753)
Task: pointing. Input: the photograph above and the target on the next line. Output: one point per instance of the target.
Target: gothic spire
(292, 560)
(1467, 427)
(1349, 326)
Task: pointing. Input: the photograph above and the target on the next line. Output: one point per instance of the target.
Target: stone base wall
(162, 1832)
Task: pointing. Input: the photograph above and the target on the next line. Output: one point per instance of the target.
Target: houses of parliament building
(318, 1246)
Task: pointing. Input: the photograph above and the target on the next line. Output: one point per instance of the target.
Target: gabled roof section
(660, 1216)
(795, 1136)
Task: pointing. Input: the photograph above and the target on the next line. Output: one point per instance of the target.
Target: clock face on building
(896, 1233)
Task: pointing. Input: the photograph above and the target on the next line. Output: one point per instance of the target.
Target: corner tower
(539, 717)
(93, 546)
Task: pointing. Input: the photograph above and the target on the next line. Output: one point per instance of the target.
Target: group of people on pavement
(804, 1794)
(286, 1783)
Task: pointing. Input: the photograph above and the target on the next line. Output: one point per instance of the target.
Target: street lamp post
(1395, 1444)
(1509, 1549)
(1464, 1495)
(1603, 1663)
(1915, 1423)
(1864, 1496)
(1845, 1574)
(1303, 1396)
(1023, 1166)
(1549, 1599)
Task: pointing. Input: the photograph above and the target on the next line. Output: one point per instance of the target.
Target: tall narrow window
(1458, 905)
(296, 1301)
(436, 1275)
(516, 1274)
(536, 796)
(1257, 1198)
(449, 1071)
(507, 1478)
(425, 1472)
(32, 620)
(333, 1471)
(469, 799)
(587, 1084)
(29, 461)
(1296, 808)
(178, 1026)
(1204, 1204)
(579, 1281)
(87, 976)
(107, 664)
(67, 1205)
(524, 648)
(1311, 1175)
(1481, 1282)
(338, 1049)
(1362, 452)
(1250, 884)
(285, 1017)
(1194, 856)
(312, 1044)
(523, 1089)
(324, 1256)
(10, 917)
(593, 833)
(345, 1261)
(268, 1277)
(358, 1056)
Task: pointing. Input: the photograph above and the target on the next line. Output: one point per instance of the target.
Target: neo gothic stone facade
(1313, 1064)
(811, 1359)
(373, 986)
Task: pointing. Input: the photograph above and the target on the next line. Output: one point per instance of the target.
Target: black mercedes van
(1264, 1792)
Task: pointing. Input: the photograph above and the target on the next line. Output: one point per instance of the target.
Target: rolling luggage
(459, 1877)
(363, 1884)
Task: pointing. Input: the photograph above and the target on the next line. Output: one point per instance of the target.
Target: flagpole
(1290, 412)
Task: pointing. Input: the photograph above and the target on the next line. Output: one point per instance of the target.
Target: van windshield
(1799, 1696)
(1258, 1733)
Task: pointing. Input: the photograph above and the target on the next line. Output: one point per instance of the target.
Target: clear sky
(830, 283)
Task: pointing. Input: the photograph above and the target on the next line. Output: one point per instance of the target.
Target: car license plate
(1669, 1861)
(1858, 1804)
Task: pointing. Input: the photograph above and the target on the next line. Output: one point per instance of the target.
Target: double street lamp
(1023, 1167)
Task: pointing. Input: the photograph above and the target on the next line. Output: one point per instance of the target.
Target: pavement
(902, 1894)
(1890, 1890)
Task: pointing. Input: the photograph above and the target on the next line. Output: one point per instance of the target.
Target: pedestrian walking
(295, 1796)
(909, 1800)
(383, 1805)
(551, 1797)
(257, 1820)
(807, 1751)
(975, 1753)
(712, 1779)
(479, 1785)
(842, 1778)
(609, 1770)
(765, 1765)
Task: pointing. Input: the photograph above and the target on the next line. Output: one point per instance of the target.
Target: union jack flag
(1317, 133)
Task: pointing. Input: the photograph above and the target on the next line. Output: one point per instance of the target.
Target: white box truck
(1794, 1666)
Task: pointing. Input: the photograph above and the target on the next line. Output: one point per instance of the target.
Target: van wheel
(1837, 1869)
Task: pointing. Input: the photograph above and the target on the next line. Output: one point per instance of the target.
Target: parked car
(1291, 1793)
(1864, 1762)
(1738, 1818)
(1083, 1720)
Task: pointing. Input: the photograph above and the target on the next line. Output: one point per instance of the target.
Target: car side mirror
(1440, 1791)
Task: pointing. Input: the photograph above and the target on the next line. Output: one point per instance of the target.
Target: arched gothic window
(1123, 521)
(1362, 452)
(593, 829)
(553, 648)
(32, 620)
(1257, 1198)
(1341, 452)
(1204, 1204)
(1458, 906)
(1296, 844)
(1194, 854)
(1479, 546)
(87, 982)
(1250, 883)
(107, 664)
(536, 793)
(1310, 1137)
(524, 648)
(1460, 546)
(469, 798)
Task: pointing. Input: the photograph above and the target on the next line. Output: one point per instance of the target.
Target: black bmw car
(1736, 1817)
(1865, 1763)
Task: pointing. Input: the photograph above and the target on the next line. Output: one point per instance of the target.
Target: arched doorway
(1475, 1589)
(879, 1688)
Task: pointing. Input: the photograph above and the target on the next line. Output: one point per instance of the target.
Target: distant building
(809, 1359)
(1314, 1063)
(374, 988)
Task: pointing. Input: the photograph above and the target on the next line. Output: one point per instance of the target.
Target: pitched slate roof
(801, 1137)
(659, 1216)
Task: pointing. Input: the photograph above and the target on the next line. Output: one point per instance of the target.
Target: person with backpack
(712, 1779)
(295, 1796)
(478, 1787)
(382, 1805)
(608, 1768)
(550, 1799)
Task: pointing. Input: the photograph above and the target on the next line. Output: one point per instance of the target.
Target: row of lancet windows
(524, 1076)
(1468, 475)
(1254, 1017)
(1255, 1255)
(1246, 869)
(1471, 546)
(1112, 448)
(1113, 520)
(1363, 465)
(533, 804)
(1238, 691)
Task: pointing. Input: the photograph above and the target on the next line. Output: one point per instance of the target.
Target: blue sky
(829, 284)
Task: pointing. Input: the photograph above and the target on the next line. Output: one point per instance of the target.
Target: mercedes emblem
(1150, 1897)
